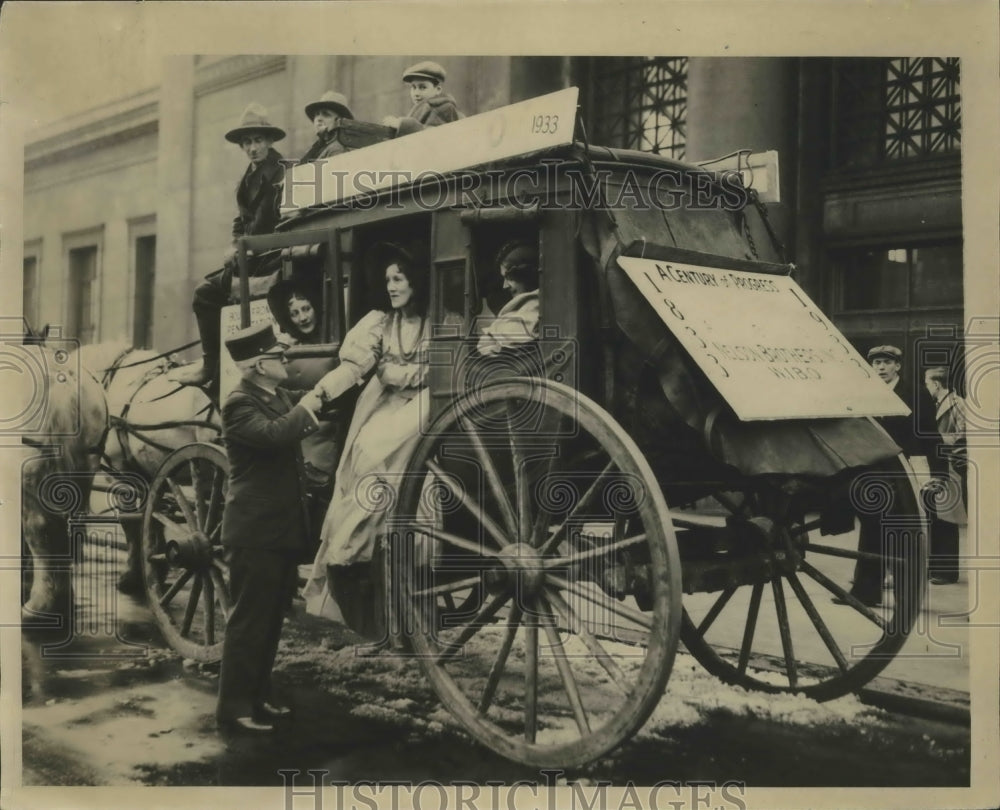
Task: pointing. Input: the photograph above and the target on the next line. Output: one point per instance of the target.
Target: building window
(895, 109)
(900, 278)
(30, 290)
(82, 275)
(639, 103)
(144, 276)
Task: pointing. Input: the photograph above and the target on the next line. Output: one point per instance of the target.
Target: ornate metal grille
(639, 103)
(891, 109)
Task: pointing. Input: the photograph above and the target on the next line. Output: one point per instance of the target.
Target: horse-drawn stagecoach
(685, 454)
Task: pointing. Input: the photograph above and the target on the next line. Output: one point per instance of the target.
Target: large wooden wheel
(540, 576)
(186, 578)
(786, 620)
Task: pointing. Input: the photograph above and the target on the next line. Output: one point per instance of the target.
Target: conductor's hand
(312, 401)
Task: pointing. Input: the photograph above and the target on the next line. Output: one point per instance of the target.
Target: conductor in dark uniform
(264, 524)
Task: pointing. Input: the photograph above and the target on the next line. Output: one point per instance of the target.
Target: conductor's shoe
(246, 726)
(272, 712)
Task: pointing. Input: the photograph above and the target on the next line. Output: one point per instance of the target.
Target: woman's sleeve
(360, 351)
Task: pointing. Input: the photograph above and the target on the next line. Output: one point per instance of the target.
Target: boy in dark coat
(432, 106)
(257, 197)
(264, 523)
(326, 115)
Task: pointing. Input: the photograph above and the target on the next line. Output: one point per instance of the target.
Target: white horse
(66, 433)
(150, 416)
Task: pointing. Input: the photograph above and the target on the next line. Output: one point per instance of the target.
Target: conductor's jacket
(266, 500)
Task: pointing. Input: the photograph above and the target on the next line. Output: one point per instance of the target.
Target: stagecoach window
(894, 109)
(638, 102)
(898, 278)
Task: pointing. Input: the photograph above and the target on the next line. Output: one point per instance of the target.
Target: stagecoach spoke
(184, 504)
(530, 676)
(784, 629)
(751, 626)
(222, 590)
(524, 520)
(471, 627)
(513, 620)
(215, 501)
(716, 609)
(805, 528)
(496, 485)
(577, 625)
(599, 551)
(173, 589)
(849, 598)
(448, 588)
(209, 608)
(565, 671)
(455, 540)
(477, 511)
(851, 554)
(166, 522)
(199, 503)
(553, 541)
(818, 623)
(604, 601)
(192, 606)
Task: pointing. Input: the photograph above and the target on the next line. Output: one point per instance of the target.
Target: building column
(176, 278)
(747, 103)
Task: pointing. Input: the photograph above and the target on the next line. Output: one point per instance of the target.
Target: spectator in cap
(432, 106)
(326, 114)
(264, 524)
(869, 573)
(517, 321)
(946, 494)
(257, 200)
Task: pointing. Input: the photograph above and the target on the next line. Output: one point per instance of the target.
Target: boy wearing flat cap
(264, 524)
(257, 198)
(325, 115)
(432, 106)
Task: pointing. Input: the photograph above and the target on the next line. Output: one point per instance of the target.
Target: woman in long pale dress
(385, 428)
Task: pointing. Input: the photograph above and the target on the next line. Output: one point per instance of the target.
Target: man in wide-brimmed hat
(325, 115)
(257, 198)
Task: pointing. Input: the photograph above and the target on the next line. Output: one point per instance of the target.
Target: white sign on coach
(762, 342)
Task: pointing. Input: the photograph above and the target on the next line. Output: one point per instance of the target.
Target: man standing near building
(257, 202)
(869, 574)
(947, 491)
(264, 524)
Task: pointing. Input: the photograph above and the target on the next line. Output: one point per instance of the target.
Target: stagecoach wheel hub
(778, 542)
(193, 551)
(522, 567)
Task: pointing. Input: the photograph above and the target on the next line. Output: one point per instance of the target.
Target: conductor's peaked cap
(254, 341)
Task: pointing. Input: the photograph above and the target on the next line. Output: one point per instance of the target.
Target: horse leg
(131, 581)
(50, 599)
